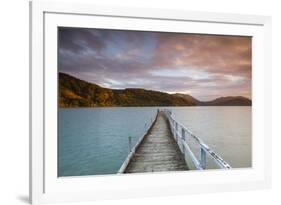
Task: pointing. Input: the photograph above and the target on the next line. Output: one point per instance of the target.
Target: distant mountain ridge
(74, 92)
(229, 101)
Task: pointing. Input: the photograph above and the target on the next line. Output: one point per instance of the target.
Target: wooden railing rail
(181, 133)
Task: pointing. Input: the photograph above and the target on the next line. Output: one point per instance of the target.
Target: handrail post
(130, 143)
(183, 138)
(174, 127)
(203, 158)
(183, 134)
(176, 130)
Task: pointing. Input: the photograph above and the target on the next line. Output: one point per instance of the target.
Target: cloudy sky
(204, 66)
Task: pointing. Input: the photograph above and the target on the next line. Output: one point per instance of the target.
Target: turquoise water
(94, 141)
(226, 130)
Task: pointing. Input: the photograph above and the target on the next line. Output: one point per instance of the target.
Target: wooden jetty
(164, 147)
(158, 151)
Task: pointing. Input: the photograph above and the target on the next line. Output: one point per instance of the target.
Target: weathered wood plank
(158, 151)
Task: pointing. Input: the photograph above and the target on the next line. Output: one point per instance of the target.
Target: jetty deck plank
(158, 151)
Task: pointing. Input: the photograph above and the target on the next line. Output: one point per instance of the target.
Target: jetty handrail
(133, 150)
(180, 133)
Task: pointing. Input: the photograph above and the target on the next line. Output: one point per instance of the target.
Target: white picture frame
(46, 187)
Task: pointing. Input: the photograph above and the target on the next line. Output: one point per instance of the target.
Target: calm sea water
(94, 141)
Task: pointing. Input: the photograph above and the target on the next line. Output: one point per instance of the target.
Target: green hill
(74, 92)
